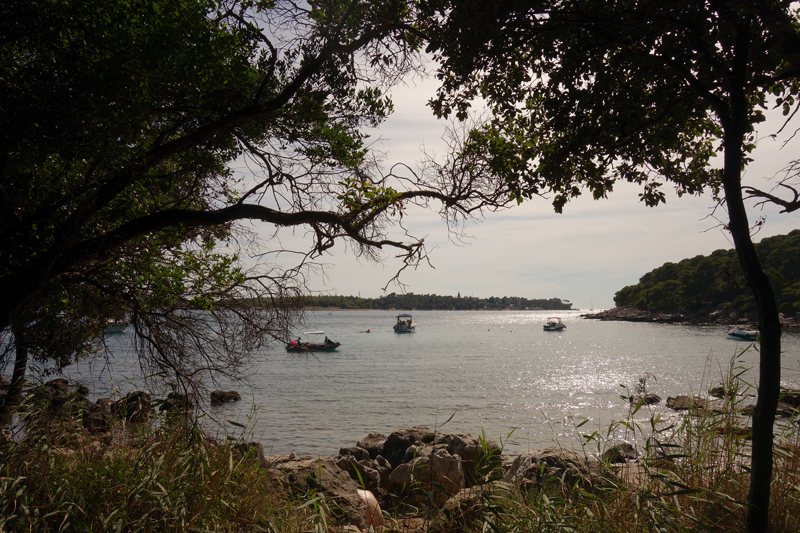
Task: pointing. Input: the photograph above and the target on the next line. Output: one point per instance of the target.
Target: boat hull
(743, 335)
(313, 347)
(554, 324)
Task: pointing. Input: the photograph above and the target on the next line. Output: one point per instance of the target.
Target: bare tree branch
(788, 205)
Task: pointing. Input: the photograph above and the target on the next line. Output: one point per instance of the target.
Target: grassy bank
(138, 479)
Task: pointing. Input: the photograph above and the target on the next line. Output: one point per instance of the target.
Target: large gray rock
(537, 465)
(398, 442)
(647, 399)
(373, 443)
(98, 420)
(253, 451)
(620, 453)
(364, 472)
(303, 474)
(439, 472)
(722, 392)
(379, 454)
(58, 383)
(55, 392)
(468, 507)
(384, 468)
(686, 403)
(177, 402)
(356, 452)
(416, 450)
(369, 476)
(469, 448)
(58, 399)
(791, 397)
(218, 397)
(695, 405)
(135, 407)
(474, 458)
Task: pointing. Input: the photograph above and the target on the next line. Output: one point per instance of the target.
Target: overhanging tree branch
(789, 206)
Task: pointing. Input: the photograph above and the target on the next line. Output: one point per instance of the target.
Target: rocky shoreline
(418, 467)
(411, 468)
(716, 317)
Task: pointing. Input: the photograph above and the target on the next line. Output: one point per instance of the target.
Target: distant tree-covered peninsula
(717, 281)
(434, 301)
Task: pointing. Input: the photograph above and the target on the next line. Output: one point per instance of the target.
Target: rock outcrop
(134, 407)
(439, 473)
(720, 317)
(99, 418)
(620, 453)
(791, 397)
(218, 397)
(177, 402)
(647, 399)
(373, 444)
(302, 475)
(396, 447)
(417, 466)
(536, 466)
(57, 398)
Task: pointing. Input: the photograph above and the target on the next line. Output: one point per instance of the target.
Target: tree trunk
(769, 379)
(768, 324)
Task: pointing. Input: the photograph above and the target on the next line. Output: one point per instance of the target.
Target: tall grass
(170, 478)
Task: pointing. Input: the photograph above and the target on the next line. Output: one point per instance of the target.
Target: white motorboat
(554, 324)
(743, 334)
(405, 323)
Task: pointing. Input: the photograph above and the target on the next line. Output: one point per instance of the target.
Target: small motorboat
(405, 323)
(297, 345)
(554, 324)
(743, 334)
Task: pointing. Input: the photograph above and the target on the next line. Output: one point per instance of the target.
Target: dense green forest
(434, 301)
(716, 281)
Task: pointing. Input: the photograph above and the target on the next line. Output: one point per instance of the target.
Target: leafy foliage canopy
(717, 280)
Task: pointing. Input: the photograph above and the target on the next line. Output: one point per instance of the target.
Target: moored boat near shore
(554, 324)
(296, 345)
(743, 334)
(405, 323)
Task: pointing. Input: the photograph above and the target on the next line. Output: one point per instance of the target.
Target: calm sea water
(496, 372)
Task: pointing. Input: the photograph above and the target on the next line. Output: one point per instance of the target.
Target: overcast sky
(584, 255)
